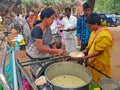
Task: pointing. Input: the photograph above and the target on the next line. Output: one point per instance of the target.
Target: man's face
(87, 12)
(67, 13)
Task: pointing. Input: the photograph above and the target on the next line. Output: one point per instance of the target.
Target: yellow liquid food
(68, 81)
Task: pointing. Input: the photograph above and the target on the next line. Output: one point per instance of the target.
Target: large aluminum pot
(68, 68)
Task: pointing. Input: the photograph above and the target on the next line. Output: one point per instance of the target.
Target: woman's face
(50, 20)
(93, 27)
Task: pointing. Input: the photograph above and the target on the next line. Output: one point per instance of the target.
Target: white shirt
(54, 27)
(69, 23)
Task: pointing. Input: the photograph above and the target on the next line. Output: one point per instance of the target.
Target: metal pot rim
(90, 79)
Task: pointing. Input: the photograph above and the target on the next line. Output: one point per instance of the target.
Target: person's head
(86, 9)
(103, 22)
(31, 13)
(47, 15)
(17, 14)
(68, 11)
(78, 14)
(93, 21)
(103, 19)
(60, 16)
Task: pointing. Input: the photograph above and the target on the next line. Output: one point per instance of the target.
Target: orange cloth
(31, 19)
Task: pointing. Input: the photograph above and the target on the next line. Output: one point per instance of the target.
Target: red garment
(31, 20)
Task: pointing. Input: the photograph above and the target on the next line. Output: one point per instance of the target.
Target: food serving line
(51, 67)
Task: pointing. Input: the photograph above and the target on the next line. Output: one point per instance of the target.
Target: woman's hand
(82, 58)
(78, 58)
(61, 52)
(58, 52)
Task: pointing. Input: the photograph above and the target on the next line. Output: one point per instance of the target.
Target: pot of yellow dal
(68, 76)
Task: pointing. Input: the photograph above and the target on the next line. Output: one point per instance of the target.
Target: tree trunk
(92, 2)
(7, 7)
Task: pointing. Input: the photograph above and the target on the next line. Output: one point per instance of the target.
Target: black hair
(36, 22)
(17, 14)
(68, 9)
(47, 12)
(32, 11)
(86, 5)
(93, 18)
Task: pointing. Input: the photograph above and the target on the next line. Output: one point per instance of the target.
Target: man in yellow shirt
(98, 48)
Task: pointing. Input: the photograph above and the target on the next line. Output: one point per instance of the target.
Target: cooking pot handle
(97, 70)
(51, 88)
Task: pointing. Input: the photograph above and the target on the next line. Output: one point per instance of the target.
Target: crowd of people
(83, 30)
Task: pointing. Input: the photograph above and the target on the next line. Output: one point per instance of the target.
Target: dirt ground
(114, 54)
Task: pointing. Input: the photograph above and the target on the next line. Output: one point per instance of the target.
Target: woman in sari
(98, 48)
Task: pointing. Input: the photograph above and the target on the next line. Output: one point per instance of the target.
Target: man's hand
(61, 30)
(68, 30)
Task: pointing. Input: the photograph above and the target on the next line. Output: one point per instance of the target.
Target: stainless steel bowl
(109, 84)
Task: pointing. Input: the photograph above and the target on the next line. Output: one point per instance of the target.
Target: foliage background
(107, 6)
(101, 6)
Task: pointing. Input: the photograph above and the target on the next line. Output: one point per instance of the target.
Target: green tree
(108, 6)
(92, 3)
